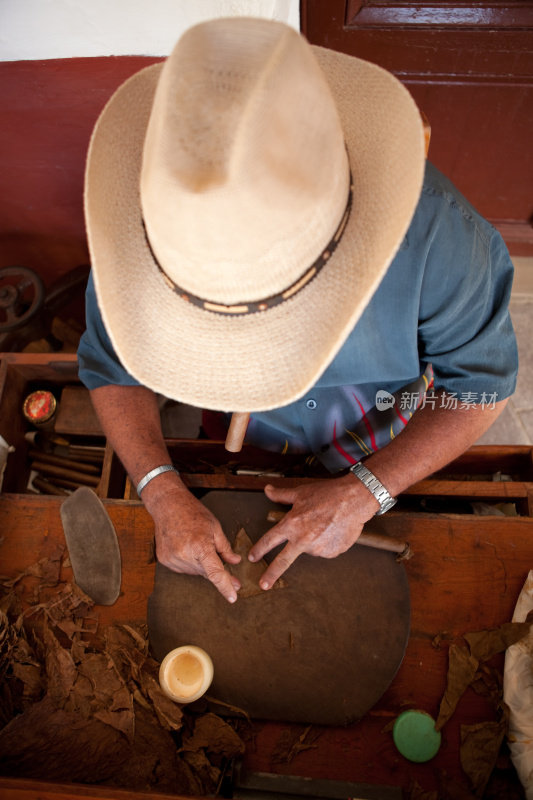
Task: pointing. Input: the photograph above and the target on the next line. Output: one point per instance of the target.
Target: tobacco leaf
(123, 721)
(140, 639)
(80, 699)
(451, 789)
(168, 712)
(70, 627)
(31, 678)
(105, 680)
(464, 664)
(480, 745)
(61, 671)
(87, 727)
(219, 706)
(46, 569)
(214, 735)
(206, 773)
(290, 744)
(488, 682)
(247, 572)
(462, 667)
(485, 644)
(8, 642)
(153, 762)
(49, 742)
(127, 653)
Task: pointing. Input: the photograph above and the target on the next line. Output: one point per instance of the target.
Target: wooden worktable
(465, 575)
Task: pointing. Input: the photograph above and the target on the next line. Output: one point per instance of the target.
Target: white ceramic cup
(186, 673)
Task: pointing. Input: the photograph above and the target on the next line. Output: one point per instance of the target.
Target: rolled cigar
(59, 461)
(376, 540)
(85, 458)
(66, 484)
(70, 474)
(237, 431)
(87, 451)
(46, 487)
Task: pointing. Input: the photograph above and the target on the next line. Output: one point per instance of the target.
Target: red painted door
(469, 66)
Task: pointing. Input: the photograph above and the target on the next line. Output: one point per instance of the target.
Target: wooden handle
(237, 431)
(376, 540)
(427, 131)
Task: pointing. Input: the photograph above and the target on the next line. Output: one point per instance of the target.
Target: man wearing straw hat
(266, 237)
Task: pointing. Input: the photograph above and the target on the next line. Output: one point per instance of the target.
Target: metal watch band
(385, 500)
(153, 474)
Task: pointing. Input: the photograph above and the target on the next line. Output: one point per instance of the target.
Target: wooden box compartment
(21, 374)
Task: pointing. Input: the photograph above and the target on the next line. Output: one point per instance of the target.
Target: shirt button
(311, 404)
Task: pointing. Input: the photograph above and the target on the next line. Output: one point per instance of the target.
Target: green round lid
(415, 736)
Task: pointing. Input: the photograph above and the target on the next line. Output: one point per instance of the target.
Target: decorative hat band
(275, 299)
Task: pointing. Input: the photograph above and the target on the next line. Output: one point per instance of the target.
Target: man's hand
(326, 519)
(189, 539)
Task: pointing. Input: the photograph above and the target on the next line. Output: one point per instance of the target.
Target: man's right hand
(190, 539)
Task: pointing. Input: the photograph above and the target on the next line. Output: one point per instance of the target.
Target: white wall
(42, 29)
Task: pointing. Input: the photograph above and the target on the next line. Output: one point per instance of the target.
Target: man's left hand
(325, 520)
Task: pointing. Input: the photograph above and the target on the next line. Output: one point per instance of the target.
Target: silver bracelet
(374, 486)
(153, 474)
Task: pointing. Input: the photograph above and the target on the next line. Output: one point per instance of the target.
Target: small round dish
(186, 673)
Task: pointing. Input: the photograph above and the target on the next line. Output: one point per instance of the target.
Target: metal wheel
(21, 297)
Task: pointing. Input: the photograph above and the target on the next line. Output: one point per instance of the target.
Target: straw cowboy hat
(243, 201)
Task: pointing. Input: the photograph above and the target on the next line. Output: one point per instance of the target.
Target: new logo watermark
(384, 400)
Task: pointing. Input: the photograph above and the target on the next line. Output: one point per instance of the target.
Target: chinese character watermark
(411, 401)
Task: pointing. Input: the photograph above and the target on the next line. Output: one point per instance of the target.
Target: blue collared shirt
(440, 314)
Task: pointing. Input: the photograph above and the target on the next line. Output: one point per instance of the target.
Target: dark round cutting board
(322, 649)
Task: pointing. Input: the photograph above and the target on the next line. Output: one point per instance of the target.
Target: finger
(268, 541)
(279, 495)
(214, 571)
(224, 548)
(236, 583)
(282, 562)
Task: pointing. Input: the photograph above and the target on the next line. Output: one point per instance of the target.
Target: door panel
(469, 66)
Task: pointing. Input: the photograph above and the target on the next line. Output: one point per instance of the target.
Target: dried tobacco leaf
(87, 727)
(247, 572)
(214, 735)
(47, 570)
(105, 680)
(207, 774)
(8, 641)
(61, 672)
(461, 670)
(168, 712)
(123, 721)
(291, 743)
(464, 662)
(50, 743)
(480, 745)
(31, 678)
(485, 644)
(127, 651)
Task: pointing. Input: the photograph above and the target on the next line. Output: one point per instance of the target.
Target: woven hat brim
(265, 360)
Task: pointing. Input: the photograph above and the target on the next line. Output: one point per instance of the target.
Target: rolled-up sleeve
(465, 329)
(98, 364)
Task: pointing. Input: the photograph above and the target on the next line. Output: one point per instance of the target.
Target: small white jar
(186, 673)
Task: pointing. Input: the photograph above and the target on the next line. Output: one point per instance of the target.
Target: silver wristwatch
(376, 487)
